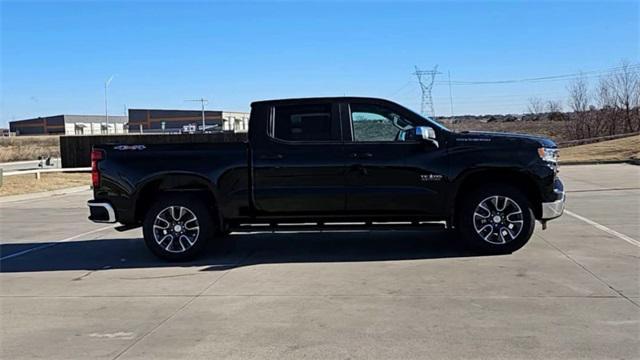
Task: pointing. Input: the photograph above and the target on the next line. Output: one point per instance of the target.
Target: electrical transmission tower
(426, 79)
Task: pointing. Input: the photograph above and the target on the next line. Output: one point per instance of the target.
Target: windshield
(430, 120)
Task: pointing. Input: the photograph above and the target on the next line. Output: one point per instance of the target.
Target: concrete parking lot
(71, 289)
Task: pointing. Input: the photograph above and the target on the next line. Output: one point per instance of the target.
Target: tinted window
(376, 123)
(304, 123)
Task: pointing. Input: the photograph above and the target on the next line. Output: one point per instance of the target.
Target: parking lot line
(604, 228)
(48, 245)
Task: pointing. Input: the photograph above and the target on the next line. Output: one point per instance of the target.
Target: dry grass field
(16, 148)
(619, 149)
(24, 184)
(555, 130)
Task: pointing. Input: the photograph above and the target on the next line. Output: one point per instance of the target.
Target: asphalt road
(71, 289)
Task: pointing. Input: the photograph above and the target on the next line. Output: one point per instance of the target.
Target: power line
(484, 97)
(409, 82)
(427, 101)
(562, 77)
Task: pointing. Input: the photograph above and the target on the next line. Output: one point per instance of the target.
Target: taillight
(96, 156)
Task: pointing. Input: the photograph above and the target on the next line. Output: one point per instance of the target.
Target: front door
(300, 170)
(386, 174)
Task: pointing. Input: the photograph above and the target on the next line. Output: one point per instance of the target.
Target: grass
(25, 184)
(613, 150)
(16, 148)
(555, 130)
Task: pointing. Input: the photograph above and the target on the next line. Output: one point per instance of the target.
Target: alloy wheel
(498, 219)
(176, 229)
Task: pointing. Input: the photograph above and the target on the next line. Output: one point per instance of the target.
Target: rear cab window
(306, 122)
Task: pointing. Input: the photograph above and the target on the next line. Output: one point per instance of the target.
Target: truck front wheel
(496, 219)
(177, 227)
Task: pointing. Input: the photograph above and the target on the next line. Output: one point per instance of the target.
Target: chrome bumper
(101, 212)
(552, 210)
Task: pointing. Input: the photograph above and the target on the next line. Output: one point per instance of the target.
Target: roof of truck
(319, 99)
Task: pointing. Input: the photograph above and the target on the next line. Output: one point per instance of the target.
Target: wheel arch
(513, 177)
(175, 182)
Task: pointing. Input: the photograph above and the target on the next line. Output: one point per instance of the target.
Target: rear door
(386, 174)
(299, 170)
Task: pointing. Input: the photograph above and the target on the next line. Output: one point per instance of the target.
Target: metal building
(69, 125)
(177, 121)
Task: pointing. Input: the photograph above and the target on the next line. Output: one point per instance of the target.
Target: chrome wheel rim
(176, 229)
(498, 219)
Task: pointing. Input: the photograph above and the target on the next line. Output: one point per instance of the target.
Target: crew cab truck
(322, 162)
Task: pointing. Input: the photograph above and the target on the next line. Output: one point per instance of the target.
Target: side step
(338, 226)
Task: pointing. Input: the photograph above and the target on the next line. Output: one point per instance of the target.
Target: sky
(56, 56)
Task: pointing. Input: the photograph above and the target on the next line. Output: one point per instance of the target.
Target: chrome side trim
(552, 210)
(110, 211)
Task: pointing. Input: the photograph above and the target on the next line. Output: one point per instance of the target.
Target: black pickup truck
(318, 163)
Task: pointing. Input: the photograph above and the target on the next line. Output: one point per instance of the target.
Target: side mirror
(425, 134)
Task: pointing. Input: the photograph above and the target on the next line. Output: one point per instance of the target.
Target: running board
(338, 226)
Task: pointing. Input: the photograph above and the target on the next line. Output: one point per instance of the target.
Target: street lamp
(202, 101)
(106, 109)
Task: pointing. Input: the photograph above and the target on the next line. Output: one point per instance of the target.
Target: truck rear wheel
(496, 219)
(177, 227)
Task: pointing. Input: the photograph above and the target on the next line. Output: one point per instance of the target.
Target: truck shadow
(238, 250)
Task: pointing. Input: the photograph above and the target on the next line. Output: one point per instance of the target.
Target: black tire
(181, 242)
(500, 232)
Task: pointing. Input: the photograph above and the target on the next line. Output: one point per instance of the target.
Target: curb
(600, 162)
(44, 194)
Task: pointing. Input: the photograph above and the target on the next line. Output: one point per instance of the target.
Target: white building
(70, 125)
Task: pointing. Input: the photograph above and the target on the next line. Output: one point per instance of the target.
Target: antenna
(453, 126)
(203, 102)
(426, 79)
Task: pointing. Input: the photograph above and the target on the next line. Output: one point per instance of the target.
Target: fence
(37, 172)
(75, 151)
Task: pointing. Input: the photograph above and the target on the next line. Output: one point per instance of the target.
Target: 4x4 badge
(129, 147)
(430, 177)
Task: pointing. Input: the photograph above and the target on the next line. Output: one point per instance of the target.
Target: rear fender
(148, 189)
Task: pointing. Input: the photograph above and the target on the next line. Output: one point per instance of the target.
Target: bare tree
(608, 113)
(625, 85)
(618, 96)
(579, 103)
(617, 103)
(536, 106)
(554, 108)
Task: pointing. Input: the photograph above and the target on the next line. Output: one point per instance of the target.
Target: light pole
(202, 101)
(106, 108)
(453, 125)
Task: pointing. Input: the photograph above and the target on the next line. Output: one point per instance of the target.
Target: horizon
(236, 53)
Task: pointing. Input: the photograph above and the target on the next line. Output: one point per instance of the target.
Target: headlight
(548, 154)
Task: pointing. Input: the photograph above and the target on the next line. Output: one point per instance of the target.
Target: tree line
(609, 107)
